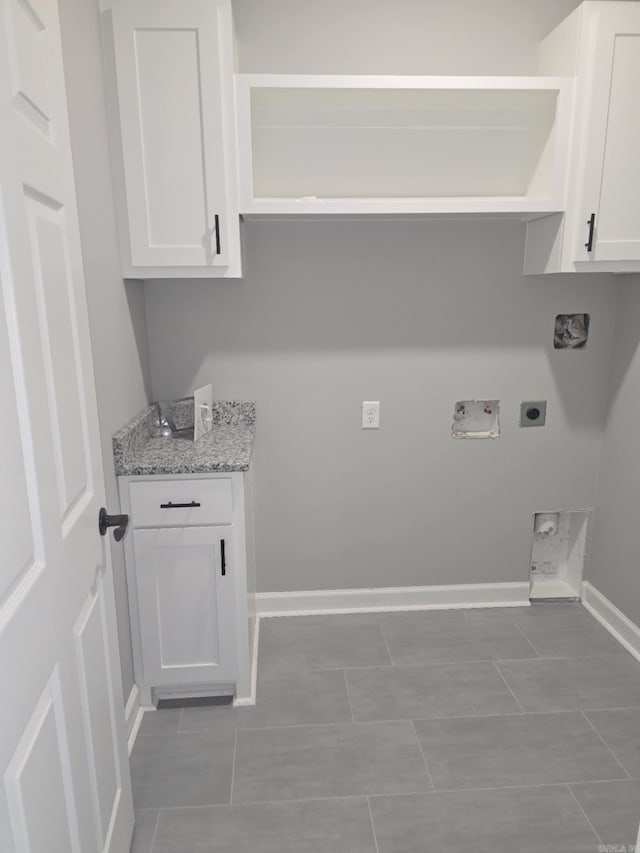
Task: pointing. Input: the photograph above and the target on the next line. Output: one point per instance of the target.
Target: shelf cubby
(354, 145)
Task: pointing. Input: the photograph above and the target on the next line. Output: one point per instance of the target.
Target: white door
(186, 599)
(612, 172)
(64, 777)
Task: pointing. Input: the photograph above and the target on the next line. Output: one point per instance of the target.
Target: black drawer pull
(223, 558)
(171, 505)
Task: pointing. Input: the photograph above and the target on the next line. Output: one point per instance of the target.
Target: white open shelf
(354, 145)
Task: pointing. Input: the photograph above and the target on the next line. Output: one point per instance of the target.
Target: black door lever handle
(120, 522)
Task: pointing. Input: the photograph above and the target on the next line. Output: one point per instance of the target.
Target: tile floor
(492, 731)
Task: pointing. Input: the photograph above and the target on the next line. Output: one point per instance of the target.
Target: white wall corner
(626, 632)
(388, 598)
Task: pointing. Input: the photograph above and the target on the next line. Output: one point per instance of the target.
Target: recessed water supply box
(476, 419)
(557, 555)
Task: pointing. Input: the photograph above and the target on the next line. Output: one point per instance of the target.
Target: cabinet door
(611, 177)
(169, 88)
(186, 603)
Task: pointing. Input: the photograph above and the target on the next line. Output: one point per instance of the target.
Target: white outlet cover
(371, 414)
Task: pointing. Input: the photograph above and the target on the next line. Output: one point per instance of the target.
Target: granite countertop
(138, 450)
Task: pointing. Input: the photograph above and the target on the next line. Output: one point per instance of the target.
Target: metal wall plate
(533, 414)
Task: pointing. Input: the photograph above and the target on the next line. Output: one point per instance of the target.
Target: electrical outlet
(533, 414)
(371, 414)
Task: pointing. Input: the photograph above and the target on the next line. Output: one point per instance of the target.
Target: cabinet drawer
(179, 503)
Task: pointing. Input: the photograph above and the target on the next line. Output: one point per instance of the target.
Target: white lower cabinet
(185, 589)
(189, 599)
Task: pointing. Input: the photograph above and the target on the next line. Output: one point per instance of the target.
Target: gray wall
(614, 563)
(417, 315)
(116, 311)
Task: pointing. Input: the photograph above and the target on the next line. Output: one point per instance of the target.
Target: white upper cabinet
(356, 145)
(601, 229)
(611, 180)
(176, 179)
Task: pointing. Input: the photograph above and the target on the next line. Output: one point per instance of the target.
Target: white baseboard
(133, 713)
(626, 632)
(392, 599)
(251, 700)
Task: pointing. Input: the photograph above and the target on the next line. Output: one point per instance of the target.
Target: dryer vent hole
(571, 331)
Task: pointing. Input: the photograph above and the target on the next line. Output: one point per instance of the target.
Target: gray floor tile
(320, 642)
(574, 683)
(144, 829)
(284, 699)
(182, 848)
(614, 810)
(514, 820)
(621, 730)
(452, 636)
(314, 826)
(437, 690)
(565, 630)
(323, 755)
(164, 722)
(328, 761)
(525, 749)
(182, 769)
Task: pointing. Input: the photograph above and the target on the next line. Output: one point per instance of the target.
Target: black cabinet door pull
(216, 220)
(171, 505)
(223, 559)
(591, 222)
